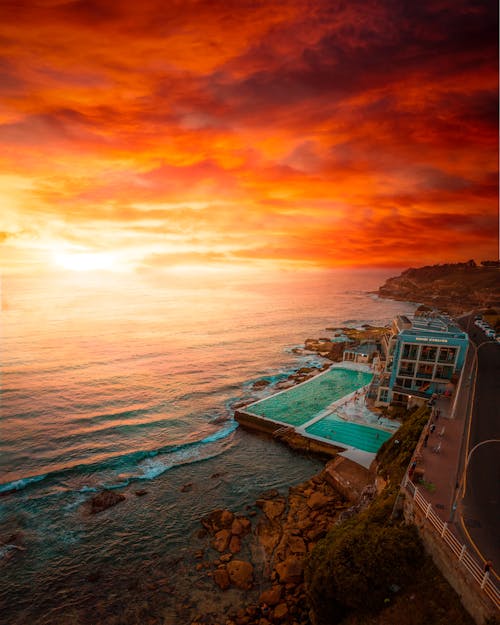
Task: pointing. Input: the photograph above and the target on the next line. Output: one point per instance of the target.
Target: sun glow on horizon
(85, 261)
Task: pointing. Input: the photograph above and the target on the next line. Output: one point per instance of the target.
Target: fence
(485, 580)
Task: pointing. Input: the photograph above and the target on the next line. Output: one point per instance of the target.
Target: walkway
(438, 462)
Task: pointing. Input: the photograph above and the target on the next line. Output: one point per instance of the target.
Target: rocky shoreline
(262, 554)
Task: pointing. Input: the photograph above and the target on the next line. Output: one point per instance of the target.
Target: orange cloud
(329, 133)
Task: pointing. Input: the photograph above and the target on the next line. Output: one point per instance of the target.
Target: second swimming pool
(336, 429)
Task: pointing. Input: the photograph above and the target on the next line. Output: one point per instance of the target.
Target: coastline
(263, 554)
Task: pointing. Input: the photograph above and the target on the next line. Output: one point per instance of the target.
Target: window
(410, 352)
(428, 353)
(447, 354)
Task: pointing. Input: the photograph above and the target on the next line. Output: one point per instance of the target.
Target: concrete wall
(474, 601)
(288, 435)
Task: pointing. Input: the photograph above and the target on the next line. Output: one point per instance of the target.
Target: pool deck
(350, 408)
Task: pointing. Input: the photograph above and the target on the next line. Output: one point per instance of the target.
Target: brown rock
(217, 520)
(260, 384)
(245, 523)
(237, 527)
(221, 540)
(240, 574)
(105, 499)
(273, 509)
(319, 500)
(226, 557)
(269, 534)
(235, 544)
(221, 578)
(296, 546)
(271, 596)
(280, 612)
(290, 570)
(141, 493)
(187, 487)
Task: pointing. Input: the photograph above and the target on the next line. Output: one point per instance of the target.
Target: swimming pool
(336, 429)
(301, 403)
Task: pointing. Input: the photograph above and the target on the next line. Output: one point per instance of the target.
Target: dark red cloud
(327, 132)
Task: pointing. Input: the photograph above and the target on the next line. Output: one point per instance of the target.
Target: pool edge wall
(289, 436)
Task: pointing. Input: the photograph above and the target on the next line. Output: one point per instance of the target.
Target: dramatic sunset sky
(146, 134)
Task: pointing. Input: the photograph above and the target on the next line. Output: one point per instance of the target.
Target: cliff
(457, 287)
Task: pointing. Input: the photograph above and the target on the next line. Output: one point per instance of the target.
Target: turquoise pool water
(301, 403)
(360, 436)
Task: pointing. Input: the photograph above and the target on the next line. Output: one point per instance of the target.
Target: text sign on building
(431, 340)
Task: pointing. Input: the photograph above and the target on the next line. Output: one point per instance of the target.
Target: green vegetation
(355, 567)
(369, 568)
(395, 454)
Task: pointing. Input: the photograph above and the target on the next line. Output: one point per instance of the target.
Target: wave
(10, 487)
(142, 460)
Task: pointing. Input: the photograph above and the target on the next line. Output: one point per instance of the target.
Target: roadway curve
(480, 505)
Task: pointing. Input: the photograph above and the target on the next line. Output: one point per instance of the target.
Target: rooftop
(434, 325)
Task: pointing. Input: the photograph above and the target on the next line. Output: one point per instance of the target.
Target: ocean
(128, 382)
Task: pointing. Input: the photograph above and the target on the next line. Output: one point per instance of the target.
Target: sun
(85, 261)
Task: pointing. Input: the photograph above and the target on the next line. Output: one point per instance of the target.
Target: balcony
(413, 392)
(407, 372)
(446, 359)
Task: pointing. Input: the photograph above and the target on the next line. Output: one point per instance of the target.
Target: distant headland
(455, 287)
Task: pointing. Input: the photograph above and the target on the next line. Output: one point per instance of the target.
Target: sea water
(127, 382)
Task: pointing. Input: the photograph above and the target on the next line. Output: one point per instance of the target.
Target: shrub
(357, 563)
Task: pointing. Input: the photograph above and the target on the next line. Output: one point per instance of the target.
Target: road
(479, 509)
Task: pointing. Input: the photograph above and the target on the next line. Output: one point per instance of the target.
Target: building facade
(423, 355)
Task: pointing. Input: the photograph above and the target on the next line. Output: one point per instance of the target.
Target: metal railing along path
(486, 580)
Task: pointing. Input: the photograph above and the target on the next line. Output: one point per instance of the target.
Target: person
(487, 566)
(412, 468)
(432, 428)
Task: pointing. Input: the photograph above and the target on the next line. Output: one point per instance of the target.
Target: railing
(485, 580)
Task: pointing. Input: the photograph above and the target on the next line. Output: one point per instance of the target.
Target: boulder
(235, 544)
(296, 546)
(274, 508)
(280, 612)
(240, 573)
(271, 596)
(319, 500)
(141, 493)
(240, 526)
(221, 540)
(221, 578)
(217, 520)
(105, 499)
(291, 570)
(260, 384)
(269, 534)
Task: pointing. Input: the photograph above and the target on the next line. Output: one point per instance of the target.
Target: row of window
(443, 372)
(424, 352)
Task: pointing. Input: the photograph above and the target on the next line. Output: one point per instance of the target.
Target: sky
(148, 135)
